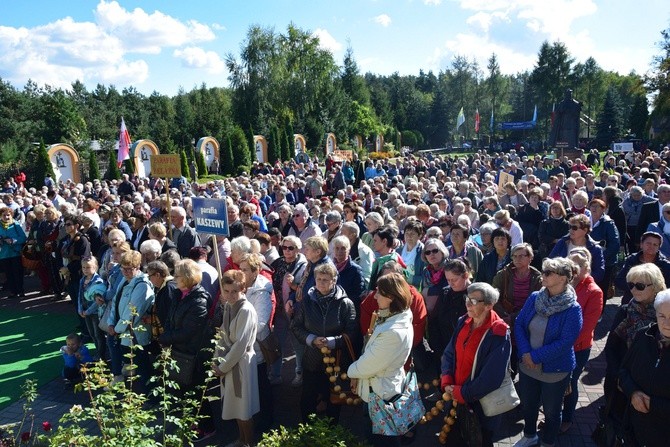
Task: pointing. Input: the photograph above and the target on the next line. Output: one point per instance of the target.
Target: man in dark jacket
(651, 212)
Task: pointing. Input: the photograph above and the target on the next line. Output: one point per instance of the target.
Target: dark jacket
(597, 258)
(489, 266)
(504, 282)
(606, 235)
(493, 353)
(616, 213)
(186, 322)
(187, 239)
(647, 369)
(168, 245)
(352, 281)
(550, 230)
(330, 318)
(529, 220)
(443, 320)
(649, 214)
(631, 261)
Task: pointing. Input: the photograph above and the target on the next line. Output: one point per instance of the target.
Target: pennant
(477, 121)
(460, 119)
(124, 144)
(491, 122)
(553, 114)
(535, 114)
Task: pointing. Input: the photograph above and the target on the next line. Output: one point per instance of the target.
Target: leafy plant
(318, 432)
(24, 432)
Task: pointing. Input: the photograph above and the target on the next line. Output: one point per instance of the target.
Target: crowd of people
(426, 264)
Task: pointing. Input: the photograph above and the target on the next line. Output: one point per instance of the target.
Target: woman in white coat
(235, 358)
(380, 367)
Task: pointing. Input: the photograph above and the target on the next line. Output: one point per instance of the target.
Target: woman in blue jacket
(545, 331)
(12, 238)
(578, 236)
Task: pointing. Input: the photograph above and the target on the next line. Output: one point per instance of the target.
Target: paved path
(54, 399)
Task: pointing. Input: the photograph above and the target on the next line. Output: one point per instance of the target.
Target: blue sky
(162, 45)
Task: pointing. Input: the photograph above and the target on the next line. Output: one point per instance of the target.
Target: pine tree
(241, 152)
(200, 161)
(251, 144)
(288, 147)
(43, 167)
(184, 163)
(129, 166)
(274, 149)
(93, 169)
(226, 160)
(610, 120)
(113, 172)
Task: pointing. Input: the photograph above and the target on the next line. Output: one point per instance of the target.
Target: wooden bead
(452, 412)
(332, 379)
(439, 404)
(434, 411)
(350, 401)
(336, 369)
(426, 386)
(337, 388)
(446, 396)
(329, 369)
(344, 376)
(325, 350)
(343, 395)
(436, 382)
(451, 421)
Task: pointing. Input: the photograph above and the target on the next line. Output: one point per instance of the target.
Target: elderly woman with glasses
(303, 226)
(578, 236)
(480, 325)
(545, 331)
(644, 282)
(434, 255)
(645, 378)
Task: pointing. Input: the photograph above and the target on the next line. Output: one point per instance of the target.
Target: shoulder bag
(270, 348)
(398, 415)
(501, 400)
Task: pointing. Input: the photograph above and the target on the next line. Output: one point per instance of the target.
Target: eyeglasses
(288, 247)
(548, 272)
(472, 301)
(522, 255)
(638, 285)
(431, 252)
(127, 268)
(575, 227)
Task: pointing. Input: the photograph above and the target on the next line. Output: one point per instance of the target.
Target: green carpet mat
(29, 349)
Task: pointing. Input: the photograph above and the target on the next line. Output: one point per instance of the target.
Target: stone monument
(565, 130)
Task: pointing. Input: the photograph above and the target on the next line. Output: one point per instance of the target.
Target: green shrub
(318, 432)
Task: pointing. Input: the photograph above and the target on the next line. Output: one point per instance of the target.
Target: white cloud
(327, 41)
(195, 57)
(382, 19)
(484, 20)
(480, 48)
(62, 51)
(432, 2)
(218, 27)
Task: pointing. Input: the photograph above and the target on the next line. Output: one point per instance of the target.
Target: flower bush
(319, 432)
(24, 432)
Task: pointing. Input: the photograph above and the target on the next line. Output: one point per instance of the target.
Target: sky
(165, 45)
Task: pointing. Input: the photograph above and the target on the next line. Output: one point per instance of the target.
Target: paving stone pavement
(55, 399)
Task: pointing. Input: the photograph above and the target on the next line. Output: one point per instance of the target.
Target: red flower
(25, 437)
(46, 426)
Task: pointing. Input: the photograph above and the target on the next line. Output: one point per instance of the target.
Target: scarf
(6, 225)
(342, 265)
(637, 316)
(324, 299)
(547, 306)
(432, 275)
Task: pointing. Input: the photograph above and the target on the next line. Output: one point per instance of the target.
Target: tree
(241, 151)
(639, 116)
(113, 172)
(274, 146)
(201, 164)
(589, 88)
(93, 168)
(353, 83)
(610, 120)
(184, 163)
(227, 164)
(43, 166)
(288, 147)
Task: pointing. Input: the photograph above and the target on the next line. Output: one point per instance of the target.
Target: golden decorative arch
(331, 143)
(141, 152)
(65, 162)
(209, 147)
(261, 148)
(299, 144)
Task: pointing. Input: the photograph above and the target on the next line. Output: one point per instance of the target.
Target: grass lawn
(29, 349)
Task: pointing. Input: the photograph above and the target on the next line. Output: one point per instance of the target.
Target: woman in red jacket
(590, 298)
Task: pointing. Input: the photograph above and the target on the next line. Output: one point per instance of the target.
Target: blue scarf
(547, 306)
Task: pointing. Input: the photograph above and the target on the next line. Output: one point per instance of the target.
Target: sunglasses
(431, 252)
(288, 247)
(575, 227)
(638, 285)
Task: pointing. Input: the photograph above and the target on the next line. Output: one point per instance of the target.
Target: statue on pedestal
(566, 122)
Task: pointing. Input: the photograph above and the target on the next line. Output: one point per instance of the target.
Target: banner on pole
(165, 165)
(211, 216)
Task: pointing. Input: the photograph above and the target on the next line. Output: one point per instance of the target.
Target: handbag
(102, 324)
(340, 395)
(501, 400)
(400, 414)
(270, 348)
(186, 364)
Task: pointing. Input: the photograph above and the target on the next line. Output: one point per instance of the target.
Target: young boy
(91, 290)
(74, 355)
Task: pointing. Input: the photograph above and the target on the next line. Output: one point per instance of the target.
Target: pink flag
(124, 144)
(477, 121)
